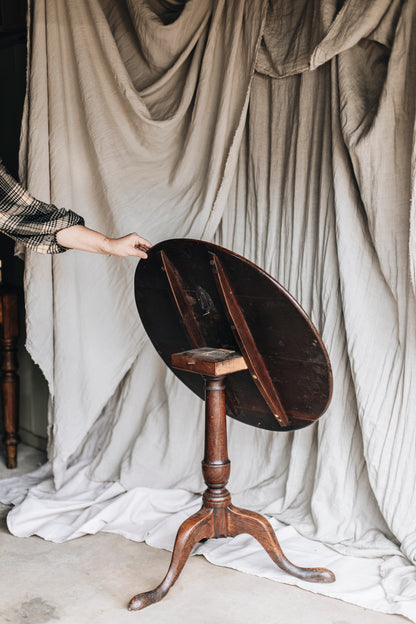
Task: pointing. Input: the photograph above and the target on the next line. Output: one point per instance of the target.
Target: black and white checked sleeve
(29, 220)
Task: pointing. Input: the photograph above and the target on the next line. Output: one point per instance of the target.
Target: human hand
(130, 245)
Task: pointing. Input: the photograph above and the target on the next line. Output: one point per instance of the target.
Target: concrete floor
(90, 580)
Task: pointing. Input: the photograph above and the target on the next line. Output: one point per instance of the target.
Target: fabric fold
(124, 171)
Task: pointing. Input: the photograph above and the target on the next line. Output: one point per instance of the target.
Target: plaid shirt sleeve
(29, 220)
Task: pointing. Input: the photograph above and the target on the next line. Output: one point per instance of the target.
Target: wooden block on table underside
(209, 361)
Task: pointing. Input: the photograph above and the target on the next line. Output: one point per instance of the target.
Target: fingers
(141, 245)
(140, 252)
(142, 242)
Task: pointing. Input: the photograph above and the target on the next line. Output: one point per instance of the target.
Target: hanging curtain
(284, 131)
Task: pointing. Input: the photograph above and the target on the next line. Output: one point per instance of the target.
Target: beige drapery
(287, 135)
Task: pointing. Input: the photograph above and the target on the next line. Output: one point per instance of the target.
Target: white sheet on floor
(195, 129)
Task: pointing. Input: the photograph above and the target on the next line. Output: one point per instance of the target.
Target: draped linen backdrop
(284, 131)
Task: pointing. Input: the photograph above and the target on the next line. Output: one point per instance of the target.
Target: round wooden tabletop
(192, 294)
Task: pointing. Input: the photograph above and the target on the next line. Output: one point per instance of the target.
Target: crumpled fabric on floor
(287, 136)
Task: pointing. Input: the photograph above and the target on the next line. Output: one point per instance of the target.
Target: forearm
(84, 239)
(47, 229)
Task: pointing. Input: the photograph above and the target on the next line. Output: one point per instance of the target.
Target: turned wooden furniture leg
(10, 379)
(217, 516)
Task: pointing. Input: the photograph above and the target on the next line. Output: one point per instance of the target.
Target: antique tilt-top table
(239, 340)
